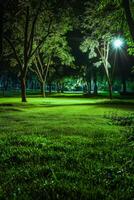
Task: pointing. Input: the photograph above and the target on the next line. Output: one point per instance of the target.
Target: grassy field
(66, 148)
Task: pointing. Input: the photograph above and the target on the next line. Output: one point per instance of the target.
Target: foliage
(121, 120)
(97, 44)
(27, 30)
(55, 51)
(99, 31)
(57, 46)
(118, 15)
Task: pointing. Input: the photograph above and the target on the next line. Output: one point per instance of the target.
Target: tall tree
(127, 6)
(96, 39)
(55, 49)
(121, 13)
(99, 49)
(3, 4)
(28, 30)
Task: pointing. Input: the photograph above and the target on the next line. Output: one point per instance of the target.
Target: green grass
(66, 148)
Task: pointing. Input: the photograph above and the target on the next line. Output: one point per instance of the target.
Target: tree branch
(38, 71)
(42, 41)
(129, 18)
(40, 62)
(48, 65)
(34, 71)
(26, 36)
(14, 51)
(30, 42)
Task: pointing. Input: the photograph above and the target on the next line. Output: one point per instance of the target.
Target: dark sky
(75, 37)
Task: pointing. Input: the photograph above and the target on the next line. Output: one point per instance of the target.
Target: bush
(120, 120)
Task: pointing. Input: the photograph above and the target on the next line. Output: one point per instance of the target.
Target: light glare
(118, 43)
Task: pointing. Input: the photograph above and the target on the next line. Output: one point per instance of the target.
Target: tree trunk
(129, 18)
(43, 89)
(3, 91)
(23, 89)
(62, 87)
(110, 90)
(95, 81)
(95, 84)
(89, 87)
(50, 88)
(1, 31)
(5, 85)
(124, 87)
(109, 83)
(58, 87)
(95, 87)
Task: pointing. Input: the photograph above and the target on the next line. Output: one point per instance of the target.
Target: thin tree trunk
(5, 86)
(89, 86)
(109, 85)
(110, 90)
(129, 18)
(124, 87)
(50, 88)
(58, 87)
(95, 82)
(1, 31)
(23, 89)
(3, 90)
(62, 87)
(43, 89)
(95, 87)
(105, 63)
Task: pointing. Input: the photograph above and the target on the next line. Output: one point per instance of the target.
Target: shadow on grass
(122, 96)
(106, 104)
(120, 104)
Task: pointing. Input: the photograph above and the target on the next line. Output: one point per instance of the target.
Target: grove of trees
(66, 42)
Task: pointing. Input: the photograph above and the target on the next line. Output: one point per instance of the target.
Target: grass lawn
(66, 148)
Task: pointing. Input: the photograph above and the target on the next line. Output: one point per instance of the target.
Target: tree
(1, 30)
(3, 4)
(123, 7)
(44, 63)
(23, 35)
(41, 70)
(2, 8)
(101, 49)
(129, 16)
(55, 49)
(97, 40)
(121, 12)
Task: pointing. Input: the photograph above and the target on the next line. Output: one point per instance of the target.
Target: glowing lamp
(118, 43)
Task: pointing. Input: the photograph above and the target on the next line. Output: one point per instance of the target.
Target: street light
(118, 43)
